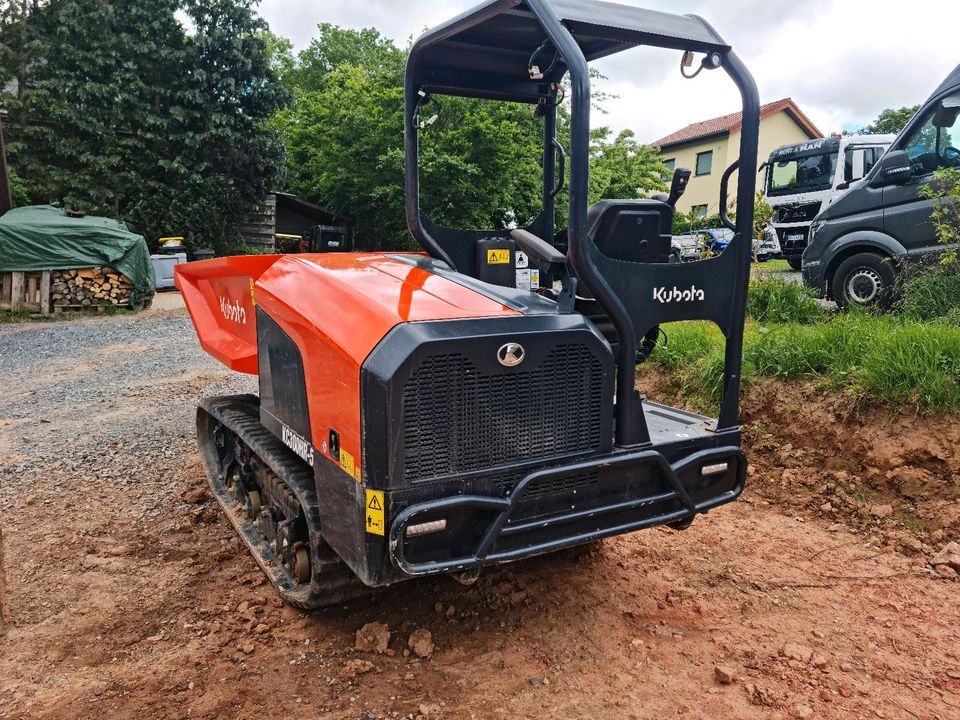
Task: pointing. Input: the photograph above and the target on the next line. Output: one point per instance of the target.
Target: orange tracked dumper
(474, 403)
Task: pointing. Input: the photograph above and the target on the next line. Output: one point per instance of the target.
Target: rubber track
(332, 582)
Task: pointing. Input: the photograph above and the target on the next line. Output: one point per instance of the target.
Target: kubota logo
(233, 311)
(663, 295)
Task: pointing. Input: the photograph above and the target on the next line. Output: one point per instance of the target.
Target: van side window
(935, 143)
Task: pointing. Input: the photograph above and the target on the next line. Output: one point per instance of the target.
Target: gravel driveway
(71, 388)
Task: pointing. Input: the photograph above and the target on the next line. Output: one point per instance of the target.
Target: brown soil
(811, 597)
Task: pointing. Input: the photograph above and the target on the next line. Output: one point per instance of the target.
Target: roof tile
(726, 124)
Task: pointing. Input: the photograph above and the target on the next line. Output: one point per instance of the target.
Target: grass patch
(774, 299)
(904, 363)
(931, 293)
(775, 266)
(6, 316)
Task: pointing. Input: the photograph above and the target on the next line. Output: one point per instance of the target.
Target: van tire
(864, 280)
(795, 263)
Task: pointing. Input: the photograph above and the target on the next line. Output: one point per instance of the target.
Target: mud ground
(815, 596)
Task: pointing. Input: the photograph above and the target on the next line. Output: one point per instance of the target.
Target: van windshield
(809, 173)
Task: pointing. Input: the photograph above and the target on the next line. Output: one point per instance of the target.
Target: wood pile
(93, 287)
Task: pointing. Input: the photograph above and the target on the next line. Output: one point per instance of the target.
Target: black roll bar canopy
(487, 53)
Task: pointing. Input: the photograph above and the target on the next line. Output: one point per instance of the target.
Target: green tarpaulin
(43, 237)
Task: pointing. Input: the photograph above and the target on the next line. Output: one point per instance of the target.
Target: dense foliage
(480, 161)
(116, 108)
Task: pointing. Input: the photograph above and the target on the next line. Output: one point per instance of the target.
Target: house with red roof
(707, 148)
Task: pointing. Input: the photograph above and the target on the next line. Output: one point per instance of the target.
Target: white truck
(803, 179)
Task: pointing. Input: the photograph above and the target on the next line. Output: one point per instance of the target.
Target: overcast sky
(842, 61)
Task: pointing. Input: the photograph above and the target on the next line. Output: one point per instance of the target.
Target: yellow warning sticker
(498, 257)
(346, 462)
(375, 513)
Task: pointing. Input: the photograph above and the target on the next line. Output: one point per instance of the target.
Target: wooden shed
(284, 219)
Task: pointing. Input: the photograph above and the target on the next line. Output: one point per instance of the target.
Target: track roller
(268, 495)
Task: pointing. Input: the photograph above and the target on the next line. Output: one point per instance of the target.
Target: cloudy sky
(842, 61)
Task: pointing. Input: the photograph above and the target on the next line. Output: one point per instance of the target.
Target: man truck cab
(860, 241)
(803, 179)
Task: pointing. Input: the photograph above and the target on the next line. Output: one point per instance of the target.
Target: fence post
(17, 291)
(45, 293)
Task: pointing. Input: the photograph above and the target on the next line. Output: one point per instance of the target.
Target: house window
(700, 211)
(671, 166)
(705, 162)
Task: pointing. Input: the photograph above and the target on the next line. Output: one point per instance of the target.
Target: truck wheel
(864, 280)
(795, 263)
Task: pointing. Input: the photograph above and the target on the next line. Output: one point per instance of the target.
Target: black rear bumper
(643, 490)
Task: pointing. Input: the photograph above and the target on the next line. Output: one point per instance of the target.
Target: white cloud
(397, 19)
(841, 61)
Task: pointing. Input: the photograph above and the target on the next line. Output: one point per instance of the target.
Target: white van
(803, 179)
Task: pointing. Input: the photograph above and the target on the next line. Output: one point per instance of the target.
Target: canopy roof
(486, 51)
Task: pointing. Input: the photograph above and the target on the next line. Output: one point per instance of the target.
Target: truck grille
(457, 419)
(798, 213)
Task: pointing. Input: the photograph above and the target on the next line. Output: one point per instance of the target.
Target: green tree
(335, 47)
(480, 162)
(82, 110)
(891, 121)
(121, 112)
(18, 189)
(623, 168)
(223, 157)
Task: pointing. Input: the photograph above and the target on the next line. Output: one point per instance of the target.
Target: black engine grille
(457, 419)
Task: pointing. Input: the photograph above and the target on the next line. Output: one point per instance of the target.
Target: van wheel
(864, 280)
(795, 263)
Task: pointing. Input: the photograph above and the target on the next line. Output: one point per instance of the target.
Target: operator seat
(639, 231)
(632, 230)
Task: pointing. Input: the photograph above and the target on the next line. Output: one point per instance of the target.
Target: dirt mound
(898, 475)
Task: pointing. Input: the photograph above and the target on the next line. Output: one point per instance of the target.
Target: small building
(285, 219)
(707, 148)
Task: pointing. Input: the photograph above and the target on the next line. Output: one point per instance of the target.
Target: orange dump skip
(219, 297)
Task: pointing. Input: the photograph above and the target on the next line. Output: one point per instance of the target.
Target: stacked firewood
(99, 286)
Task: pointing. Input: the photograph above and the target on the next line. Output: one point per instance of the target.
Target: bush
(18, 190)
(773, 299)
(686, 222)
(930, 293)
